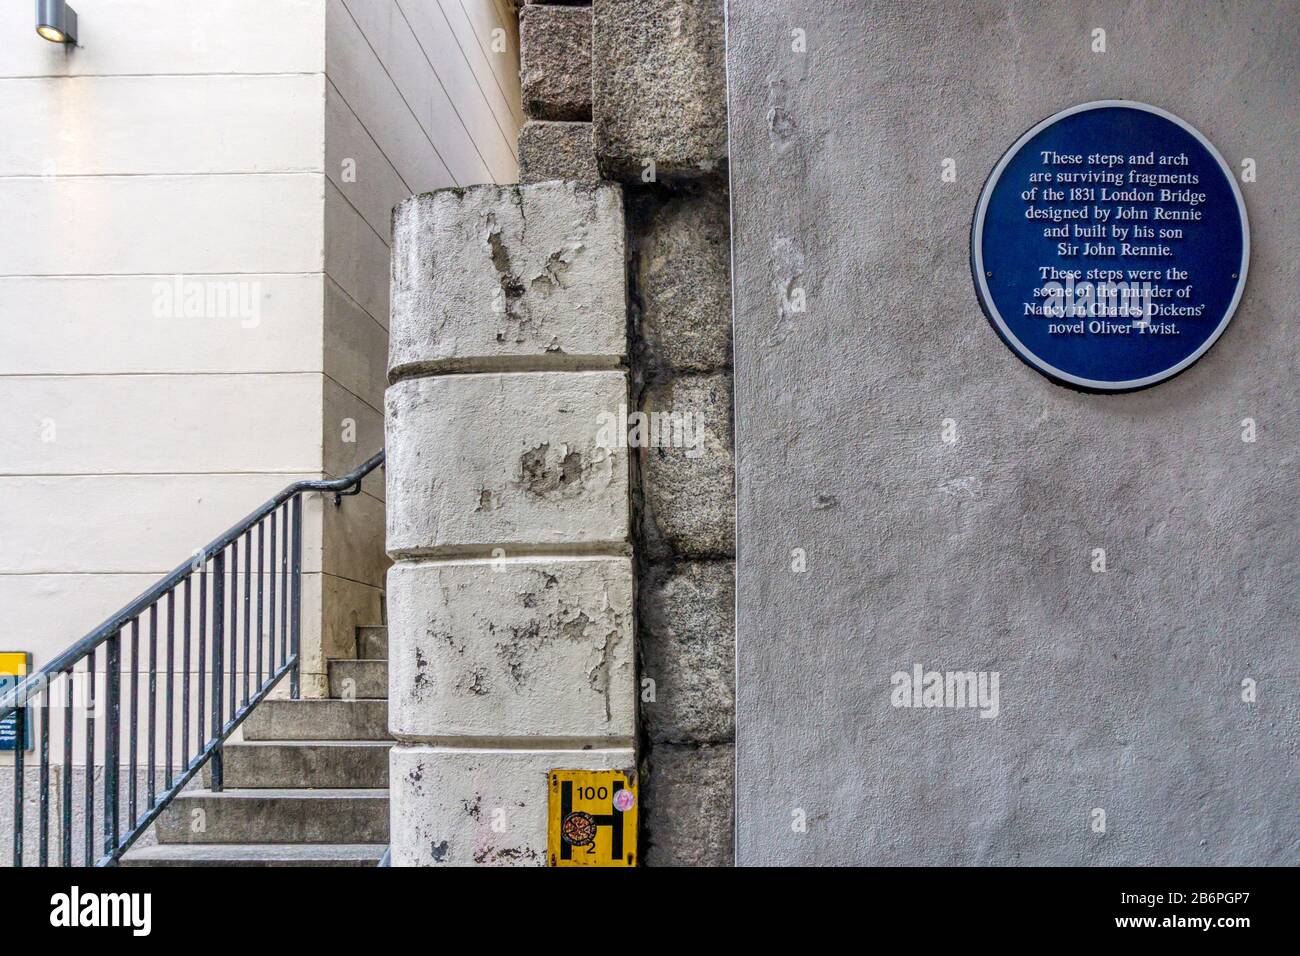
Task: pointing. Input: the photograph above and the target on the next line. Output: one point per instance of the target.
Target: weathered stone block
(556, 151)
(477, 461)
(688, 647)
(683, 268)
(688, 490)
(555, 62)
(502, 273)
(688, 819)
(513, 648)
(464, 807)
(659, 87)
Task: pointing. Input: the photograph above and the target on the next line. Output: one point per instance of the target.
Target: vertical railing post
(20, 742)
(43, 845)
(271, 622)
(285, 548)
(112, 740)
(88, 830)
(231, 661)
(261, 561)
(218, 639)
(201, 715)
(185, 669)
(151, 785)
(133, 726)
(65, 774)
(248, 609)
(171, 681)
(296, 608)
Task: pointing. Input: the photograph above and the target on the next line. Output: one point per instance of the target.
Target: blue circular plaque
(1110, 246)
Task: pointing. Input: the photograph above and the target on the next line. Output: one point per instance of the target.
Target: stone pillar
(653, 77)
(659, 98)
(659, 121)
(555, 82)
(686, 533)
(511, 599)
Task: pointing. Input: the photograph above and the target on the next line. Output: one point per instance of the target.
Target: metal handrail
(181, 572)
(19, 699)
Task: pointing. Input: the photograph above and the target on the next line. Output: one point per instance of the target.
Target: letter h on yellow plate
(591, 818)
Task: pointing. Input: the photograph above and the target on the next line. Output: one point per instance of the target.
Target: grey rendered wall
(634, 91)
(1121, 690)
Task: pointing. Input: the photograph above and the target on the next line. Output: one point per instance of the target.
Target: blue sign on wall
(1110, 245)
(14, 668)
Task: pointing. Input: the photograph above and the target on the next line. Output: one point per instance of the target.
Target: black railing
(215, 693)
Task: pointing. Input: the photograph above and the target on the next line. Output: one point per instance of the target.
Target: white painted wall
(207, 138)
(416, 98)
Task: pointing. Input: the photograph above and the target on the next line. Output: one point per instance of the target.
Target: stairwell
(306, 786)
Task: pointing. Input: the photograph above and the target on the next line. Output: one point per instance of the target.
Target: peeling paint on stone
(539, 648)
(529, 471)
(507, 271)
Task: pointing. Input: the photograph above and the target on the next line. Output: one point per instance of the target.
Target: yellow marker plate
(14, 666)
(591, 818)
(13, 663)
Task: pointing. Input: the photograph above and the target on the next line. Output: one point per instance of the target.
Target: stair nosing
(289, 793)
(174, 849)
(298, 742)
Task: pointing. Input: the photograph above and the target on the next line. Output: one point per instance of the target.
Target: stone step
(316, 764)
(372, 642)
(256, 854)
(276, 816)
(369, 679)
(318, 720)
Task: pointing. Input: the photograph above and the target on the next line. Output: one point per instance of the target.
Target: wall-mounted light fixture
(56, 21)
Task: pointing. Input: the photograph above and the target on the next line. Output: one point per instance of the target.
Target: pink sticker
(623, 801)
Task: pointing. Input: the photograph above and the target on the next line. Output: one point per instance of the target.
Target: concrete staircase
(307, 785)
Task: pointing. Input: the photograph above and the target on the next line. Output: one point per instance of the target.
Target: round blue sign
(1110, 245)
